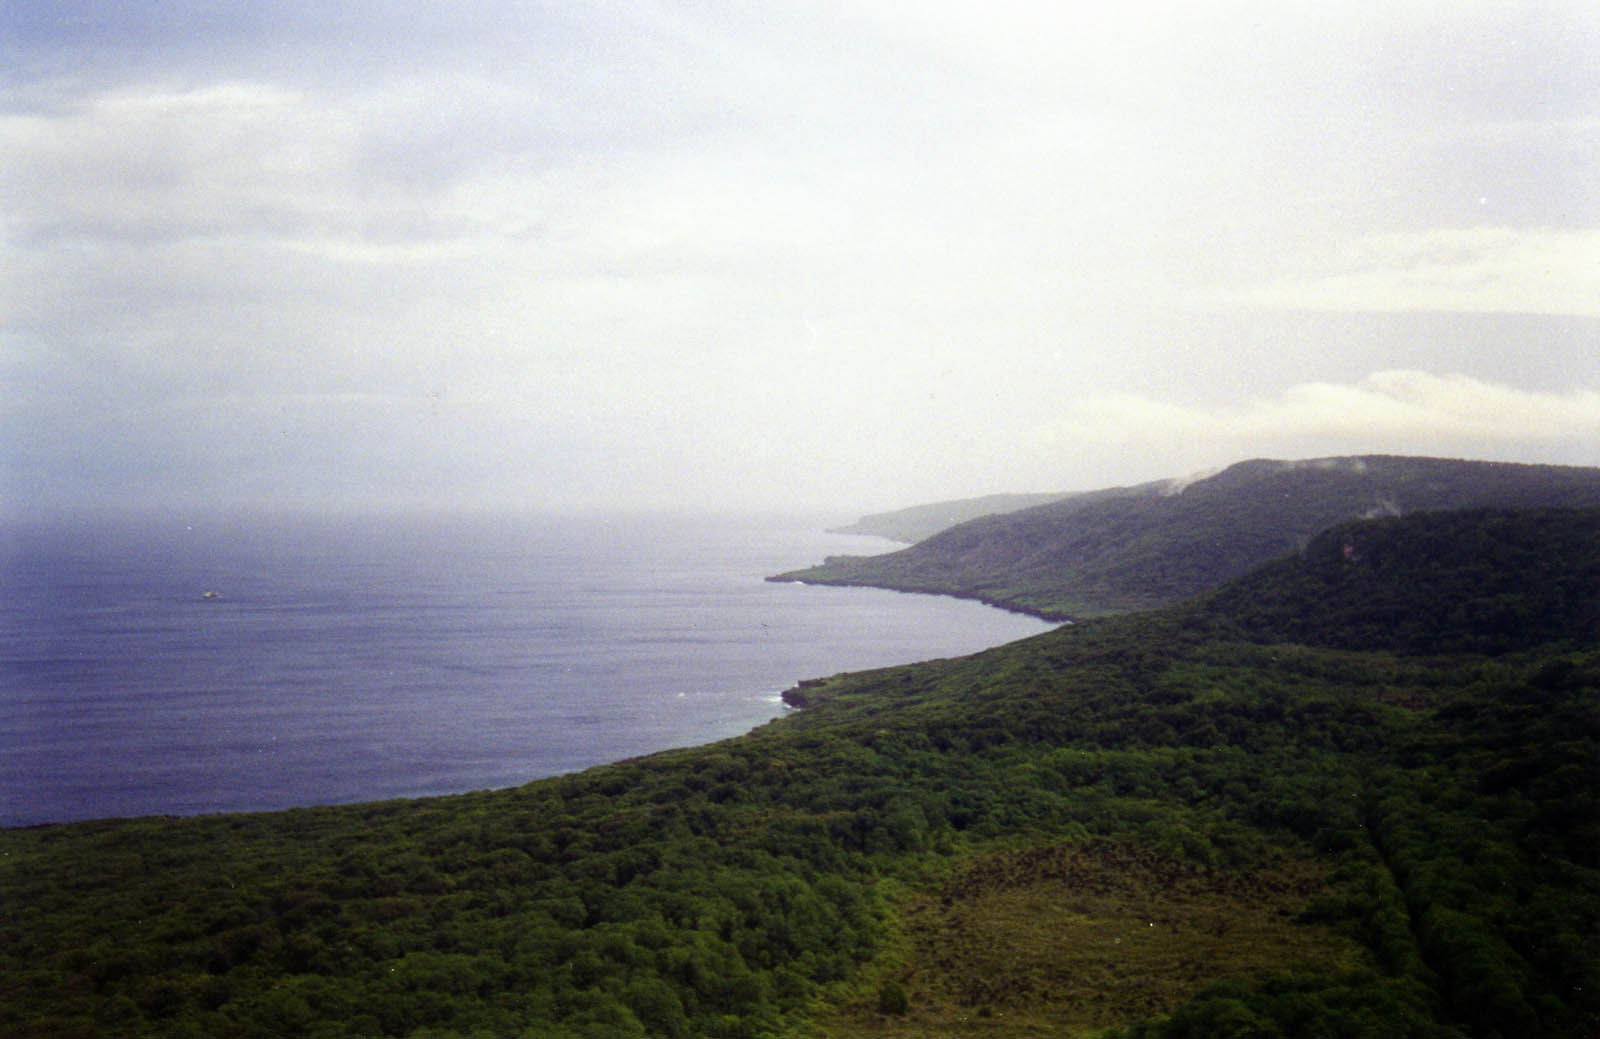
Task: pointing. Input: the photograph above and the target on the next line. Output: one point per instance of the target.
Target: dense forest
(1355, 794)
(1133, 548)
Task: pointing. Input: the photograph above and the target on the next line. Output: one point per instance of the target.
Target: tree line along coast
(1349, 788)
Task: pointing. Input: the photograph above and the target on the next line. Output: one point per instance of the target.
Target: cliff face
(1135, 548)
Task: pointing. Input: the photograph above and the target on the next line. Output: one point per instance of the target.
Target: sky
(797, 253)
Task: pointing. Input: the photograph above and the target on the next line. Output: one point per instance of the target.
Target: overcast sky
(840, 253)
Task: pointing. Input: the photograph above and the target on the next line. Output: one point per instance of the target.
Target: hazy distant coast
(910, 525)
(1154, 544)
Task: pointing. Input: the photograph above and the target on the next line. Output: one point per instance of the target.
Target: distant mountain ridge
(1150, 545)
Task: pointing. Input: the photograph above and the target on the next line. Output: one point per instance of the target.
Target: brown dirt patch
(1073, 938)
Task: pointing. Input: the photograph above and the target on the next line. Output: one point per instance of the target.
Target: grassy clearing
(1075, 938)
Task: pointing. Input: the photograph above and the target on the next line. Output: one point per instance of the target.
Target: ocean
(185, 664)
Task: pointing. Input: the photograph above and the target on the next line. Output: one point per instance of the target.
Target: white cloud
(152, 164)
(1388, 412)
(1482, 269)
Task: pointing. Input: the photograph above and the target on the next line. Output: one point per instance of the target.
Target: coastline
(333, 669)
(1007, 605)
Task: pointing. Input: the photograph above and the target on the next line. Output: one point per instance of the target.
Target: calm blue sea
(356, 659)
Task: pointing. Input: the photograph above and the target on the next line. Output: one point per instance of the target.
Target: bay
(189, 664)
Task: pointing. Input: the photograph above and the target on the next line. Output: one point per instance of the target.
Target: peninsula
(1155, 544)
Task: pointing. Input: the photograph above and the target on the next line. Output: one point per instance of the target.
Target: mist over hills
(1154, 544)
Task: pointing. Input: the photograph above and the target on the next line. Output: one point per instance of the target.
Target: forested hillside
(1471, 580)
(1355, 795)
(1135, 548)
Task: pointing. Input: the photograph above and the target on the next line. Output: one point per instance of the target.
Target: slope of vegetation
(1169, 824)
(1473, 580)
(1153, 545)
(920, 521)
